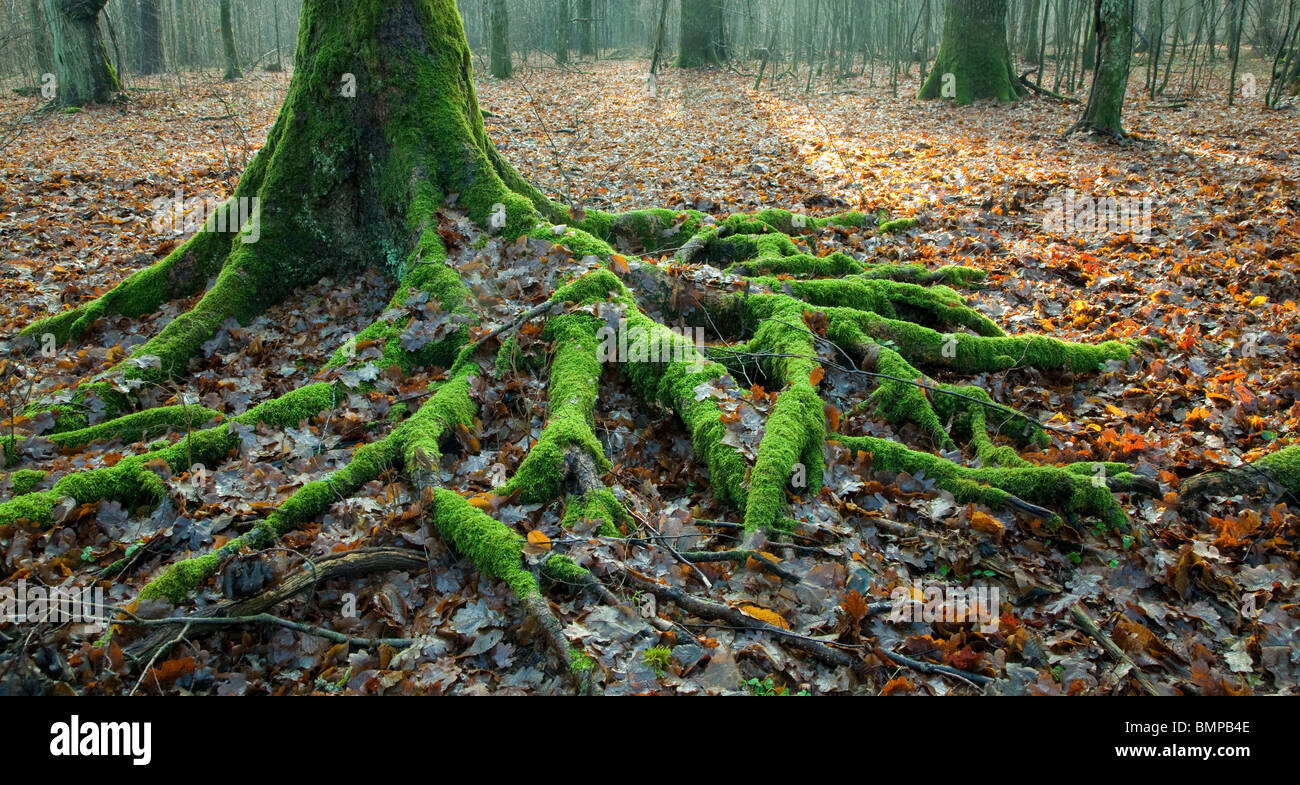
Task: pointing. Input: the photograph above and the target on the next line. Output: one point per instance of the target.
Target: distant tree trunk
(81, 60)
(561, 31)
(659, 37)
(587, 28)
(41, 46)
(1029, 31)
(1113, 20)
(275, 11)
(501, 66)
(703, 34)
(228, 42)
(974, 60)
(151, 51)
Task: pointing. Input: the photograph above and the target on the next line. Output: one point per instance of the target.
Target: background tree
(81, 60)
(41, 45)
(228, 42)
(703, 34)
(1113, 22)
(151, 48)
(974, 58)
(587, 28)
(501, 66)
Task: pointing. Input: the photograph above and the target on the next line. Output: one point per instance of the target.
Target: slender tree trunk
(587, 28)
(561, 31)
(703, 34)
(501, 67)
(1113, 20)
(974, 60)
(1029, 31)
(278, 65)
(41, 46)
(228, 42)
(659, 37)
(81, 60)
(151, 51)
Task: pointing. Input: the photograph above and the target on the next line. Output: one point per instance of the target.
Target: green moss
(36, 508)
(181, 579)
(24, 480)
(1285, 464)
(575, 375)
(659, 658)
(897, 225)
(651, 230)
(493, 547)
(599, 505)
(580, 662)
(563, 570)
(1049, 486)
(139, 426)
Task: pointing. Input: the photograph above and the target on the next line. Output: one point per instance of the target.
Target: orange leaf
(763, 614)
(815, 378)
(536, 538)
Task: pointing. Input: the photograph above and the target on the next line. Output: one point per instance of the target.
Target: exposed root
(1265, 481)
(335, 565)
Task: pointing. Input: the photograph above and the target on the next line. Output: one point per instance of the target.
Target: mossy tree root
(1266, 481)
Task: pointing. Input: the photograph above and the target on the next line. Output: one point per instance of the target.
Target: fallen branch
(1084, 622)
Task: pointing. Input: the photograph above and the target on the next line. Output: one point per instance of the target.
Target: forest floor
(1202, 601)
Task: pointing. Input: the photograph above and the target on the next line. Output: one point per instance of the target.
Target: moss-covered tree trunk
(81, 60)
(228, 43)
(974, 60)
(1113, 20)
(703, 34)
(501, 66)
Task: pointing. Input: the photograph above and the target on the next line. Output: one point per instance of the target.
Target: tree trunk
(81, 60)
(41, 47)
(659, 37)
(974, 60)
(561, 31)
(587, 28)
(703, 34)
(151, 51)
(1029, 31)
(501, 66)
(228, 43)
(1113, 20)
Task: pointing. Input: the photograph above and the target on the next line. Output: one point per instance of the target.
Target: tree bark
(1029, 31)
(41, 46)
(1114, 30)
(228, 43)
(501, 67)
(587, 28)
(703, 34)
(974, 60)
(81, 60)
(561, 10)
(151, 51)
